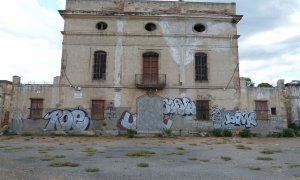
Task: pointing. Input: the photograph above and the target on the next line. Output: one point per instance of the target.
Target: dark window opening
(150, 27)
(99, 65)
(101, 26)
(200, 67)
(199, 27)
(273, 111)
(97, 109)
(202, 110)
(36, 108)
(261, 109)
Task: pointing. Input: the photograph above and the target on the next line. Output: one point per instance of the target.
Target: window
(97, 109)
(36, 109)
(150, 68)
(99, 65)
(261, 109)
(150, 27)
(202, 107)
(101, 26)
(273, 111)
(199, 27)
(201, 67)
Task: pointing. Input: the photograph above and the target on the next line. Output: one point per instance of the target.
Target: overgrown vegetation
(288, 132)
(241, 146)
(227, 133)
(89, 151)
(255, 168)
(50, 157)
(167, 132)
(62, 164)
(245, 133)
(192, 159)
(143, 164)
(91, 169)
(46, 149)
(217, 132)
(180, 148)
(264, 158)
(131, 133)
(269, 151)
(140, 154)
(226, 158)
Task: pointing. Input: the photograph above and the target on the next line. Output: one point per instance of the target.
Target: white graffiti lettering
(216, 117)
(77, 120)
(240, 119)
(179, 106)
(127, 121)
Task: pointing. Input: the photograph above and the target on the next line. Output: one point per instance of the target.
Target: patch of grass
(255, 168)
(168, 132)
(180, 148)
(91, 169)
(241, 146)
(294, 165)
(245, 133)
(143, 164)
(264, 158)
(46, 149)
(63, 164)
(68, 149)
(204, 160)
(140, 154)
(226, 158)
(276, 166)
(288, 132)
(89, 151)
(193, 144)
(269, 151)
(30, 158)
(192, 159)
(131, 133)
(50, 158)
(180, 153)
(227, 133)
(218, 132)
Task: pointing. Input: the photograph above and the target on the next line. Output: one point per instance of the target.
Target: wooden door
(150, 68)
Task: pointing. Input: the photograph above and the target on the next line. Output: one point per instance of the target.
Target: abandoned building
(148, 66)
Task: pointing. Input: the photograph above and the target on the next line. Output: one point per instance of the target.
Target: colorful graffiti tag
(237, 118)
(167, 122)
(67, 120)
(127, 121)
(179, 106)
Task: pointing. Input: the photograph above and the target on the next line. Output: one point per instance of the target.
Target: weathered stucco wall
(5, 102)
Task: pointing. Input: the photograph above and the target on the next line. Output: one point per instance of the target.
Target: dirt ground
(28, 157)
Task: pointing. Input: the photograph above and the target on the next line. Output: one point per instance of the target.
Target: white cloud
(61, 4)
(30, 41)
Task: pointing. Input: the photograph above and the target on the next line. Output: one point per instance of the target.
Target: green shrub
(275, 134)
(288, 132)
(131, 133)
(218, 132)
(293, 126)
(168, 132)
(227, 133)
(245, 133)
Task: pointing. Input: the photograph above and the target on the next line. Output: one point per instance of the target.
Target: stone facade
(109, 48)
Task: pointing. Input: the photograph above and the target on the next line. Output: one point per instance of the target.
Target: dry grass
(140, 154)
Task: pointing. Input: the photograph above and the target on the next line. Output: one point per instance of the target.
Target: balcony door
(150, 68)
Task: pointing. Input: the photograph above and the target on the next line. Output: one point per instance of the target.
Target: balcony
(150, 81)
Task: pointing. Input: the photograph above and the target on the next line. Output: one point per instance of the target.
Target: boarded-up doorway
(150, 114)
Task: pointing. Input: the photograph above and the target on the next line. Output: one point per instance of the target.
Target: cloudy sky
(269, 46)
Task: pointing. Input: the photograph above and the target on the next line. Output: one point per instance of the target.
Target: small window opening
(273, 111)
(101, 26)
(150, 26)
(199, 27)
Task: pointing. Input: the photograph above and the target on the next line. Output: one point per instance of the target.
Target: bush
(245, 133)
(288, 132)
(227, 133)
(131, 133)
(217, 132)
(275, 134)
(293, 126)
(168, 132)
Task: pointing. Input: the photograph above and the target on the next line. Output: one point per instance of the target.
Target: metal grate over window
(97, 109)
(202, 107)
(201, 67)
(99, 65)
(36, 108)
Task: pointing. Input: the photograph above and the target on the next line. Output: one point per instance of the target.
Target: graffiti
(167, 122)
(111, 111)
(240, 119)
(179, 106)
(66, 119)
(17, 121)
(216, 117)
(127, 121)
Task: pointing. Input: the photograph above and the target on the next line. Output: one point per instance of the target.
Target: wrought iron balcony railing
(150, 81)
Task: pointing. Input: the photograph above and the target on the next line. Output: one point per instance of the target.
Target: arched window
(201, 67)
(99, 65)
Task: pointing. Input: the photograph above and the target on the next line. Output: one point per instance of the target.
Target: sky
(269, 46)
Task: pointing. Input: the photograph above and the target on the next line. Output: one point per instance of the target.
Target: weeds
(89, 151)
(141, 154)
(294, 165)
(50, 158)
(264, 158)
(179, 148)
(63, 164)
(143, 164)
(241, 146)
(226, 158)
(91, 169)
(46, 149)
(255, 168)
(269, 151)
(192, 159)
